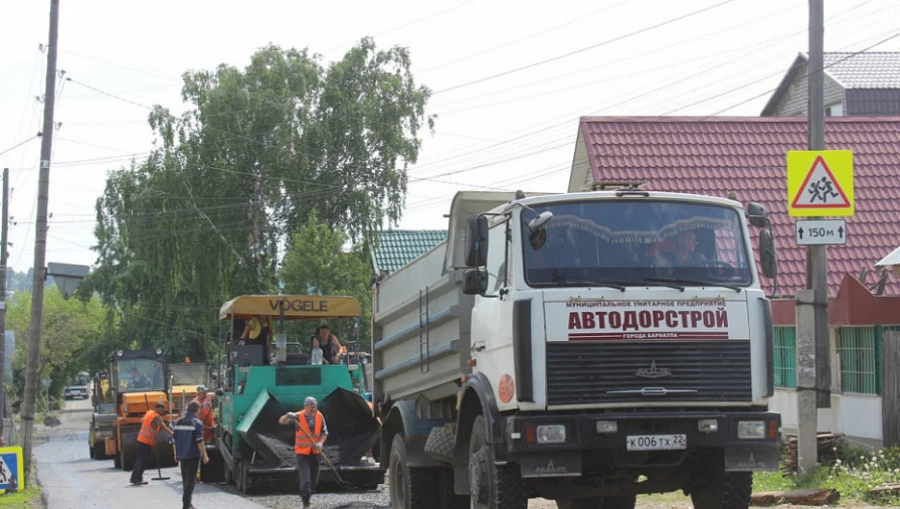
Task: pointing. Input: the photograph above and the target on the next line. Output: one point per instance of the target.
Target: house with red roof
(745, 158)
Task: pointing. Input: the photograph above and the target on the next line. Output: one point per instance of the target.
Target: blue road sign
(11, 469)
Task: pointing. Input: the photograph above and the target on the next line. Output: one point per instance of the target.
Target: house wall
(873, 102)
(794, 102)
(843, 417)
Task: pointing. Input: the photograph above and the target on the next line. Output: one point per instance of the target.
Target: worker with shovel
(151, 425)
(189, 450)
(311, 433)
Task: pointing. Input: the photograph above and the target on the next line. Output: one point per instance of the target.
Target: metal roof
(397, 248)
(890, 260)
(746, 155)
(866, 70)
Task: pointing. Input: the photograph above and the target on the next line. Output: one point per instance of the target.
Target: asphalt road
(72, 480)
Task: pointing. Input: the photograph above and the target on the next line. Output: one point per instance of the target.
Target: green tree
(316, 264)
(68, 330)
(260, 150)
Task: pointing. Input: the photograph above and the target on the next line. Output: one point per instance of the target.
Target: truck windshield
(634, 243)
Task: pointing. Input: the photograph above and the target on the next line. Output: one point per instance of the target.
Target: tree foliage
(258, 153)
(317, 265)
(69, 331)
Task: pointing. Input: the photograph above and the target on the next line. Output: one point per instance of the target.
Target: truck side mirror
(476, 241)
(757, 214)
(475, 282)
(767, 256)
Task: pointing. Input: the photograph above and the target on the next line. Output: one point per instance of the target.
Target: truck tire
(99, 451)
(410, 487)
(620, 502)
(492, 486)
(733, 493)
(449, 499)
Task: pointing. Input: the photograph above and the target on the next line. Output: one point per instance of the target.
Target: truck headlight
(755, 430)
(551, 433)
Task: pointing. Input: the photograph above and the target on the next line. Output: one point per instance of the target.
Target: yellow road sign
(820, 183)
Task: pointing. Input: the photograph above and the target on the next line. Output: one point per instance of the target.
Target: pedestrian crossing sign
(820, 183)
(11, 469)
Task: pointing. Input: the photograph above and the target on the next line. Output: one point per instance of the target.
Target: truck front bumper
(566, 444)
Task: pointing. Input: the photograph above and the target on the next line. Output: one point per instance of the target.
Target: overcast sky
(510, 80)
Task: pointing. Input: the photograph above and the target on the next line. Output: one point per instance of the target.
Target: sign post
(819, 184)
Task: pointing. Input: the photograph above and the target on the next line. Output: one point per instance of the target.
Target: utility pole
(813, 370)
(3, 239)
(32, 376)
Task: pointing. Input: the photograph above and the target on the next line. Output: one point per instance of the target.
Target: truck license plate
(655, 442)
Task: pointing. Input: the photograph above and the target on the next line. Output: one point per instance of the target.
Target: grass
(853, 473)
(29, 498)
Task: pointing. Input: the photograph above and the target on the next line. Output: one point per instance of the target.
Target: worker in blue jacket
(189, 450)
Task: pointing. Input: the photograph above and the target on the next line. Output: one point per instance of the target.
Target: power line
(581, 50)
(17, 145)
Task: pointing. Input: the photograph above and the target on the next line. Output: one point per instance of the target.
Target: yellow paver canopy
(296, 307)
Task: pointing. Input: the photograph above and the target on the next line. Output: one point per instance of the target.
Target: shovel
(155, 450)
(322, 453)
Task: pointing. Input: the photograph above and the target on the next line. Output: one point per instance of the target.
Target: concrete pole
(807, 445)
(817, 256)
(813, 372)
(33, 352)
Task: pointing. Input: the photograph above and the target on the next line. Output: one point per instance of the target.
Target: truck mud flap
(751, 459)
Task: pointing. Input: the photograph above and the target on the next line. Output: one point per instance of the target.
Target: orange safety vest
(148, 433)
(302, 442)
(206, 417)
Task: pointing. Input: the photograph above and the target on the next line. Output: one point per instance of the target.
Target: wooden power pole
(33, 352)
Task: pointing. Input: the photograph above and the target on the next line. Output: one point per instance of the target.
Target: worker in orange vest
(206, 415)
(310, 436)
(151, 425)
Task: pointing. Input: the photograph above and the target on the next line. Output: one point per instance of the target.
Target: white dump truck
(583, 348)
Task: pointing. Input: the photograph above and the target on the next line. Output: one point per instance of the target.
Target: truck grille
(580, 373)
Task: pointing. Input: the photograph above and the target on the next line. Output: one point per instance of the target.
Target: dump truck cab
(256, 391)
(183, 381)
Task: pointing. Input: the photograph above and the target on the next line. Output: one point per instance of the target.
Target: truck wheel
(99, 451)
(449, 499)
(410, 487)
(620, 502)
(492, 486)
(733, 493)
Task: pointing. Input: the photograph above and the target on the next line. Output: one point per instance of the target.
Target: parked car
(75, 391)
